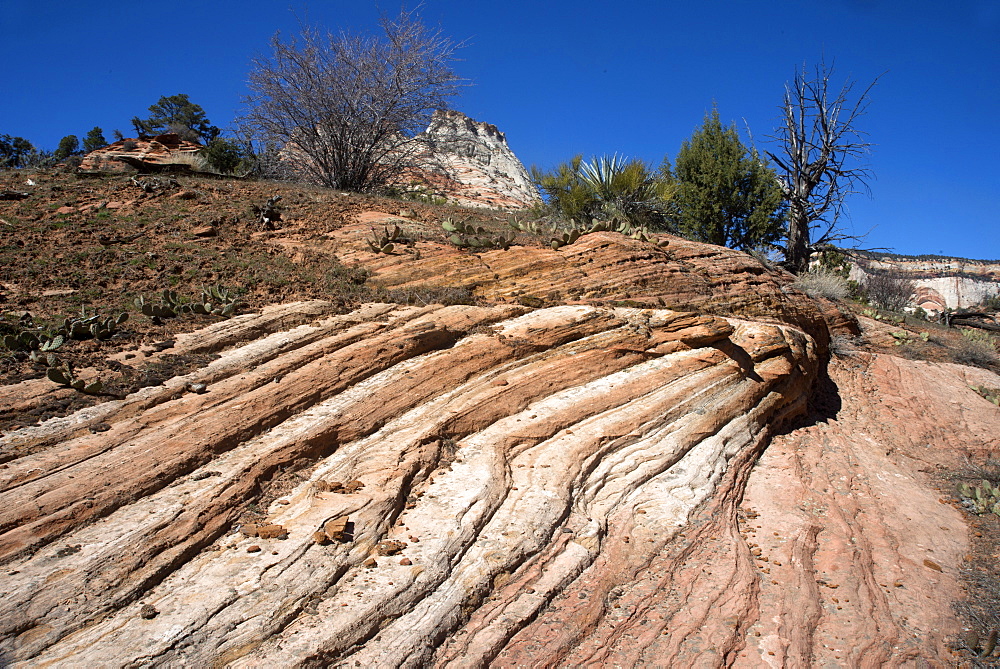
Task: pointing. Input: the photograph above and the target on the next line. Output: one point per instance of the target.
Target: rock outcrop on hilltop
(941, 283)
(473, 164)
(160, 151)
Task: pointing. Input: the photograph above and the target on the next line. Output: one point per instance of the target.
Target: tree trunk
(797, 251)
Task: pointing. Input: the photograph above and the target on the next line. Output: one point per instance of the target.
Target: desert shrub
(990, 304)
(975, 348)
(606, 187)
(223, 155)
(196, 162)
(888, 290)
(823, 283)
(841, 345)
(973, 334)
(129, 145)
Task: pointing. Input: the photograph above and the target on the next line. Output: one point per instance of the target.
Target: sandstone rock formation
(161, 150)
(499, 445)
(940, 283)
(602, 267)
(474, 165)
(648, 462)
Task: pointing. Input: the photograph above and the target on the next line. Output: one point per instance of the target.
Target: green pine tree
(176, 114)
(94, 140)
(726, 194)
(68, 146)
(14, 151)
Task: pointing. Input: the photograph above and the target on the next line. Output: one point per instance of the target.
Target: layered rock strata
(940, 284)
(474, 165)
(497, 456)
(162, 150)
(604, 267)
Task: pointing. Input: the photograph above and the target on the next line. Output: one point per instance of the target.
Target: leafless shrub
(975, 353)
(888, 290)
(345, 107)
(820, 283)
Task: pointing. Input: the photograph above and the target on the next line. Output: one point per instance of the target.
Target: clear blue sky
(561, 77)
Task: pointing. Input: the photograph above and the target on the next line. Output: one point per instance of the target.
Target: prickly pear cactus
(385, 242)
(980, 499)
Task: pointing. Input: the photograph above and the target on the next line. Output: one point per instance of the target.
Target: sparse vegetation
(976, 348)
(888, 290)
(386, 242)
(823, 283)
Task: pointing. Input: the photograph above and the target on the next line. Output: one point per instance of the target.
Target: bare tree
(345, 106)
(819, 148)
(887, 288)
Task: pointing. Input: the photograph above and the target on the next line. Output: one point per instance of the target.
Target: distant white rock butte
(474, 166)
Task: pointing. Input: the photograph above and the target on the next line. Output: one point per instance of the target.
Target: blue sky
(559, 78)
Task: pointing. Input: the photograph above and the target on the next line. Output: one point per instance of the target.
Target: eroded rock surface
(581, 484)
(602, 267)
(940, 283)
(507, 453)
(161, 150)
(473, 165)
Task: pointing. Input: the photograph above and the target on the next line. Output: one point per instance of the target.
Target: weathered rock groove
(519, 457)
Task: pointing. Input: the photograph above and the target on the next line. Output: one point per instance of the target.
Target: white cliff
(475, 166)
(940, 283)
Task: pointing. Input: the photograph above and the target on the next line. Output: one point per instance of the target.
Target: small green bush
(223, 155)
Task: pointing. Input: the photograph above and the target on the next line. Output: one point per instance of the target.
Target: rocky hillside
(619, 452)
(468, 163)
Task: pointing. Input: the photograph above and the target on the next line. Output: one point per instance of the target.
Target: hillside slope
(623, 453)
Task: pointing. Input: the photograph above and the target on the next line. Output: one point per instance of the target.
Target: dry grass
(820, 283)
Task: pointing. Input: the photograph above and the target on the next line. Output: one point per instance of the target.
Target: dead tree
(819, 146)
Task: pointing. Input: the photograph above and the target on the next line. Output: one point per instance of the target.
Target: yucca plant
(627, 189)
(607, 187)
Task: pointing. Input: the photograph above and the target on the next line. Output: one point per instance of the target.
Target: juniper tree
(94, 140)
(726, 194)
(176, 114)
(68, 146)
(14, 151)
